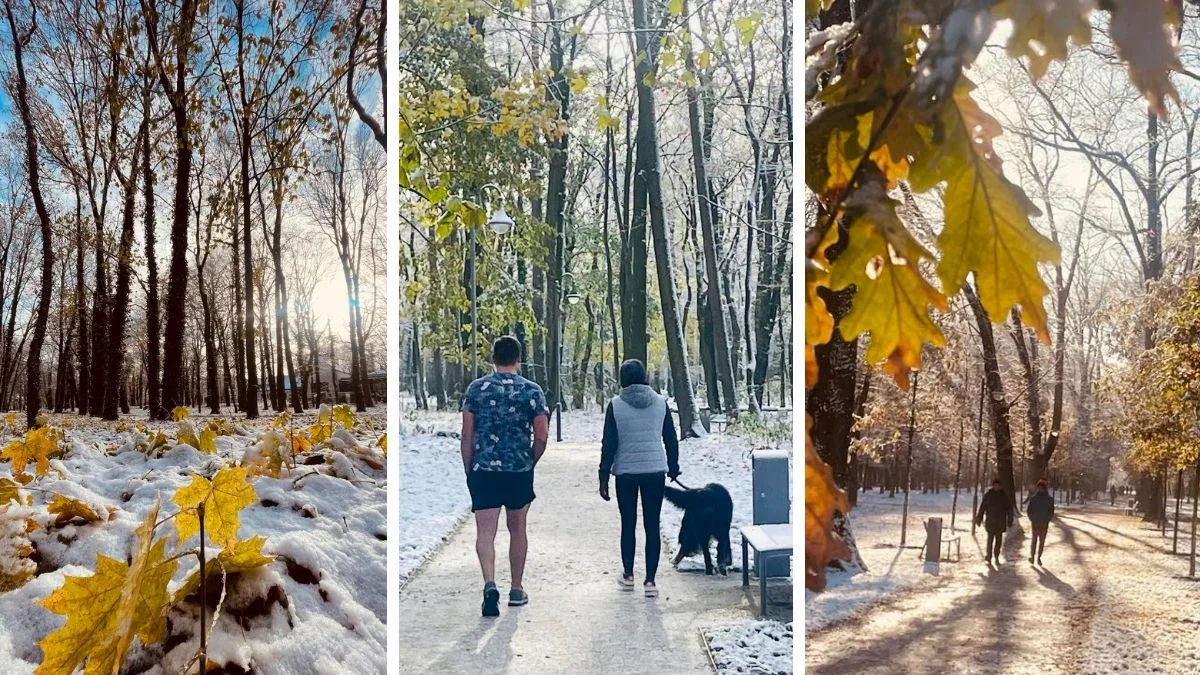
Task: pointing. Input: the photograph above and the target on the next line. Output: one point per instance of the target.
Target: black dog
(707, 514)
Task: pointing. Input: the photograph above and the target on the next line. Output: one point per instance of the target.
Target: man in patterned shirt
(504, 432)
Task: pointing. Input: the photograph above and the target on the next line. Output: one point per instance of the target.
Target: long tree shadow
(987, 615)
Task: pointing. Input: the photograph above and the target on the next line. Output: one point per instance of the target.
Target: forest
(643, 150)
(193, 309)
(181, 181)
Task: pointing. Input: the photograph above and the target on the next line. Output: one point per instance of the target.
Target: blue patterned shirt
(504, 405)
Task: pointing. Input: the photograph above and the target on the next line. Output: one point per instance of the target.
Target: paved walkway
(577, 620)
(1107, 600)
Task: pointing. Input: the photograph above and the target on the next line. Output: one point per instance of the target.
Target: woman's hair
(1041, 483)
(633, 372)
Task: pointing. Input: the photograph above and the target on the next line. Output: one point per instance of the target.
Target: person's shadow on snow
(1047, 579)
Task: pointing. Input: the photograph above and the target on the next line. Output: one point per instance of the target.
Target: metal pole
(957, 471)
(474, 314)
(1178, 495)
(1195, 503)
(562, 319)
(912, 423)
(978, 450)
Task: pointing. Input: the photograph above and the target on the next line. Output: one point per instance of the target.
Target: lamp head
(500, 222)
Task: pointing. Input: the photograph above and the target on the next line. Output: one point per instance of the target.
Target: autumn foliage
(892, 105)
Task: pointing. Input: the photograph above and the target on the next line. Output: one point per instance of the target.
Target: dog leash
(676, 481)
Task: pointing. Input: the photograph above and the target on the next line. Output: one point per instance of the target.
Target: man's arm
(541, 435)
(467, 443)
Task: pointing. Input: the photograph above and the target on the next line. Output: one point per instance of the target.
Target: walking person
(505, 428)
(641, 448)
(1040, 512)
(996, 516)
(1112, 495)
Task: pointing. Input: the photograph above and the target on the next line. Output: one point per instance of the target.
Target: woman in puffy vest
(641, 448)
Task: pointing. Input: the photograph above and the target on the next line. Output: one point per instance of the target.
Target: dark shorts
(493, 489)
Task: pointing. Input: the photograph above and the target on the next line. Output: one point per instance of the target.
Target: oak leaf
(892, 298)
(822, 499)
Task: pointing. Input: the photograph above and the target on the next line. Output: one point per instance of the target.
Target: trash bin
(772, 501)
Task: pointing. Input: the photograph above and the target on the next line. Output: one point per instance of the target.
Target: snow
(724, 459)
(434, 499)
(433, 495)
(1110, 597)
(875, 524)
(322, 601)
(756, 646)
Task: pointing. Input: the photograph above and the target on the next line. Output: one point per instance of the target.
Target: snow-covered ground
(751, 647)
(875, 524)
(433, 496)
(1109, 598)
(319, 607)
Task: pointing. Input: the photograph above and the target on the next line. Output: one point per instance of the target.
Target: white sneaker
(651, 589)
(625, 582)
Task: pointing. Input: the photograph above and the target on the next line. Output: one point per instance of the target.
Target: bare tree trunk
(33, 362)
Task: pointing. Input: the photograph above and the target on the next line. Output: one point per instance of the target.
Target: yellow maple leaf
(343, 414)
(383, 443)
(282, 420)
(208, 441)
(822, 499)
(223, 498)
(9, 492)
(106, 610)
(237, 556)
(37, 446)
(187, 434)
(180, 413)
(68, 509)
(892, 298)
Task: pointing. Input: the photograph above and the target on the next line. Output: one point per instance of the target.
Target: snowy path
(1110, 598)
(577, 620)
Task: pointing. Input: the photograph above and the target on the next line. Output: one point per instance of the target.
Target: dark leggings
(651, 485)
(995, 539)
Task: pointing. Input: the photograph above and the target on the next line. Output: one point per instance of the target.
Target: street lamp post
(564, 299)
(501, 223)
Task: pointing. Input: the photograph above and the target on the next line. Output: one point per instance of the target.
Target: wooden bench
(768, 542)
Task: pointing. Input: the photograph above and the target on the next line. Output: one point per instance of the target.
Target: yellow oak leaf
(1143, 32)
(987, 218)
(1041, 30)
(818, 322)
(822, 499)
(892, 298)
(223, 498)
(106, 610)
(37, 447)
(68, 509)
(237, 556)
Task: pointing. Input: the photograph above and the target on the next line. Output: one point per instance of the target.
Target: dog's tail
(684, 499)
